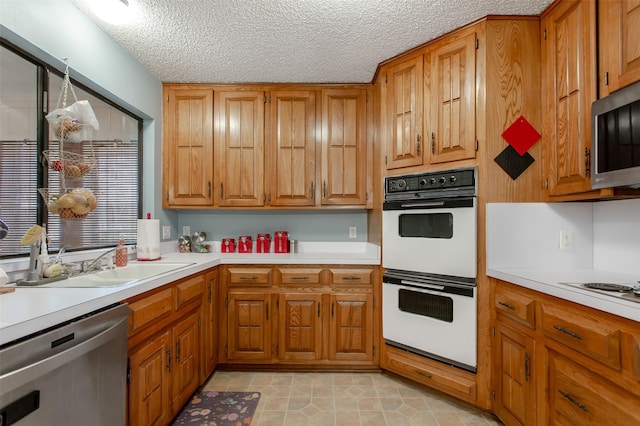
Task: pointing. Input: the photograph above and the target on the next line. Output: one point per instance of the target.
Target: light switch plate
(353, 232)
(166, 232)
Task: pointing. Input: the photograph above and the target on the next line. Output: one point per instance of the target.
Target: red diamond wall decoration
(521, 135)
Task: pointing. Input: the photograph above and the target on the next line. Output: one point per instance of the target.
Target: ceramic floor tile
(347, 399)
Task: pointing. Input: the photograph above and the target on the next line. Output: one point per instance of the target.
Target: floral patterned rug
(212, 408)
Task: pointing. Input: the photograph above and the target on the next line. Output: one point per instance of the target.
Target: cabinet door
(240, 148)
(209, 341)
(188, 148)
(300, 326)
(249, 326)
(293, 148)
(351, 327)
(452, 93)
(619, 42)
(344, 119)
(404, 106)
(515, 395)
(568, 89)
(186, 359)
(149, 385)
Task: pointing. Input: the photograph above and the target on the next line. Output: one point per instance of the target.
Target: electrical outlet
(166, 232)
(353, 232)
(186, 230)
(566, 240)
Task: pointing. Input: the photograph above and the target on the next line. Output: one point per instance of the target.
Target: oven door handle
(422, 285)
(424, 204)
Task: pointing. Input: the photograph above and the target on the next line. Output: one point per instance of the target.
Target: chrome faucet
(87, 266)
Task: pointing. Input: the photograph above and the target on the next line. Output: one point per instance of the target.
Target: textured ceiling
(312, 41)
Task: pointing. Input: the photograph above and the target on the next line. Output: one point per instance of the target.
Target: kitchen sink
(117, 276)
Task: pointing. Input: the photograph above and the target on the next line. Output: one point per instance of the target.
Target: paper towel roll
(148, 246)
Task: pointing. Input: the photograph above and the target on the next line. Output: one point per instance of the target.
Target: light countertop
(550, 281)
(28, 310)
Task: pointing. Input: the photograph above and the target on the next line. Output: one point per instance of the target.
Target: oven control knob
(443, 180)
(453, 179)
(402, 184)
(432, 181)
(423, 182)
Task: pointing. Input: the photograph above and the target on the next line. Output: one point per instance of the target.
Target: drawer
(351, 276)
(594, 337)
(249, 277)
(300, 275)
(580, 397)
(515, 306)
(149, 309)
(455, 382)
(189, 290)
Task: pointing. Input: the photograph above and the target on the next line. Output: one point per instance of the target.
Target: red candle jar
(245, 244)
(263, 243)
(228, 245)
(281, 242)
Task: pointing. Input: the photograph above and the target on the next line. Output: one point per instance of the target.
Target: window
(25, 136)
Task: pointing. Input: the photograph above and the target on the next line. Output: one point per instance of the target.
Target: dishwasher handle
(16, 378)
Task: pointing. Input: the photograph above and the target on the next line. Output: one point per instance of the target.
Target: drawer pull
(299, 278)
(352, 278)
(506, 305)
(574, 401)
(249, 278)
(423, 374)
(567, 331)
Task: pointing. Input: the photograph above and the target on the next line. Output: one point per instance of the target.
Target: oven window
(426, 225)
(426, 304)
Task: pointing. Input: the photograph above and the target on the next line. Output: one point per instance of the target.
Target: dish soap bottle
(121, 253)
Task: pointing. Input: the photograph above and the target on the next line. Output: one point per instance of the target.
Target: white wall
(56, 29)
(606, 235)
(616, 232)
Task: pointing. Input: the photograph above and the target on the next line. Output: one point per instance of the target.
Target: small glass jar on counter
(263, 243)
(281, 242)
(245, 244)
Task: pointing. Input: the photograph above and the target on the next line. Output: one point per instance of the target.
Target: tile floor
(350, 399)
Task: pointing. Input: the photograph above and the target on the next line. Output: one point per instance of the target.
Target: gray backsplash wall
(326, 225)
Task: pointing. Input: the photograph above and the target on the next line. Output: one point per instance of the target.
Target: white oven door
(437, 322)
(434, 237)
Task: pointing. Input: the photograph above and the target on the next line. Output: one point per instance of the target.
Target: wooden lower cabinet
(149, 369)
(514, 386)
(567, 364)
(298, 315)
(165, 335)
(209, 344)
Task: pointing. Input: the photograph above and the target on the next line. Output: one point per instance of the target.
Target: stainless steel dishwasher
(71, 374)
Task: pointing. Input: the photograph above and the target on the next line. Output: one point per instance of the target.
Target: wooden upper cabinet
(293, 148)
(568, 89)
(619, 43)
(344, 133)
(405, 107)
(188, 148)
(451, 93)
(240, 148)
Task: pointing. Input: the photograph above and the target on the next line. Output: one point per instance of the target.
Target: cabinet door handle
(567, 331)
(433, 143)
(332, 309)
(423, 374)
(311, 187)
(318, 310)
(209, 189)
(574, 401)
(324, 188)
(418, 145)
(267, 310)
(221, 190)
(526, 366)
(506, 305)
(210, 292)
(587, 162)
(178, 350)
(168, 359)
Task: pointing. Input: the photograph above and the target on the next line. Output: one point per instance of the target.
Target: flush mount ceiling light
(113, 11)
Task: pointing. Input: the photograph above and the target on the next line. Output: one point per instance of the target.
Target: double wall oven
(429, 231)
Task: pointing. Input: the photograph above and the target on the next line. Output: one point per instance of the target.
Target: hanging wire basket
(70, 164)
(70, 204)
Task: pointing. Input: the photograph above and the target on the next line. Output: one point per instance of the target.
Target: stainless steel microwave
(615, 139)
